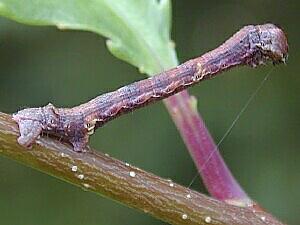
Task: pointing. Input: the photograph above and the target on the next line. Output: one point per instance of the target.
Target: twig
(129, 185)
(216, 175)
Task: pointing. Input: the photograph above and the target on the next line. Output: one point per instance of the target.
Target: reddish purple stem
(214, 172)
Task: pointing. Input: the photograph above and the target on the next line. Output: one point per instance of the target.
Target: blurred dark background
(42, 64)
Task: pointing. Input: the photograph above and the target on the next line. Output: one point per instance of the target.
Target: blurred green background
(42, 64)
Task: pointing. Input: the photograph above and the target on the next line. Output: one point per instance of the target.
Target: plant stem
(214, 172)
(129, 185)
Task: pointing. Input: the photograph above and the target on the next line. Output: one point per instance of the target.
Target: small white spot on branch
(207, 219)
(63, 155)
(74, 168)
(132, 174)
(80, 176)
(86, 185)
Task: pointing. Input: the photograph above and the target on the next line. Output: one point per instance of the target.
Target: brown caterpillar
(252, 45)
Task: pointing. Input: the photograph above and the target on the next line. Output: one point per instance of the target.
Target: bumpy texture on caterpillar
(252, 45)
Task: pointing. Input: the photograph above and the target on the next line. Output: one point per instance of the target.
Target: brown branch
(129, 185)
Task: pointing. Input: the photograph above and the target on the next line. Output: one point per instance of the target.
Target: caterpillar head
(273, 43)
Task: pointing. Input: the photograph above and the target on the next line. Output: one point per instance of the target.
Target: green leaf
(138, 31)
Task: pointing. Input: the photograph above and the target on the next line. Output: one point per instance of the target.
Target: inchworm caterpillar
(252, 45)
